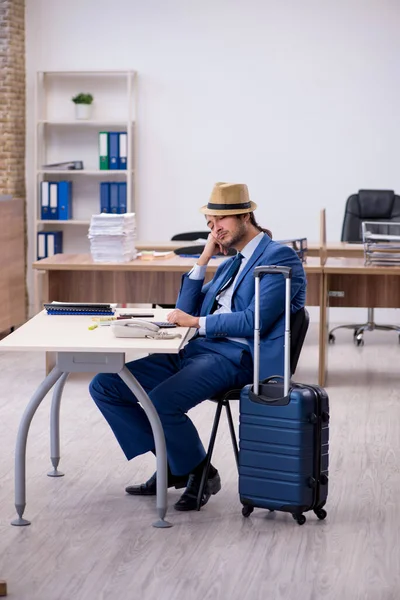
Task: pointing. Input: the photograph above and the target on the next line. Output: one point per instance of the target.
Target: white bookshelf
(60, 138)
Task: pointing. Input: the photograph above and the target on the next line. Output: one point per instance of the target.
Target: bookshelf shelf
(88, 123)
(59, 137)
(62, 222)
(85, 172)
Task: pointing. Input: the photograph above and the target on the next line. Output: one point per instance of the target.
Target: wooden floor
(90, 541)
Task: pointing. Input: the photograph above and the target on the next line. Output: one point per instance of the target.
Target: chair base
(359, 330)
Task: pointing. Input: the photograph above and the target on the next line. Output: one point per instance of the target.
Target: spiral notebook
(78, 308)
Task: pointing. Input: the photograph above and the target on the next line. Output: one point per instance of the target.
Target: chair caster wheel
(359, 341)
(321, 514)
(331, 338)
(247, 510)
(300, 519)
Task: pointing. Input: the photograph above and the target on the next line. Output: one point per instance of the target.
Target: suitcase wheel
(321, 513)
(300, 519)
(247, 510)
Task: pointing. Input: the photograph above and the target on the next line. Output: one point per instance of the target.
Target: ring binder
(78, 308)
(71, 165)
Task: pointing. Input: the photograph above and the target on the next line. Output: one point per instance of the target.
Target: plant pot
(83, 111)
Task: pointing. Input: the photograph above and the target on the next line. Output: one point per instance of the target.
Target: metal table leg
(55, 426)
(20, 449)
(68, 362)
(159, 440)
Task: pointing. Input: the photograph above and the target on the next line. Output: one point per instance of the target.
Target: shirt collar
(251, 246)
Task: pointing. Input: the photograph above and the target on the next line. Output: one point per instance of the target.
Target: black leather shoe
(150, 487)
(188, 500)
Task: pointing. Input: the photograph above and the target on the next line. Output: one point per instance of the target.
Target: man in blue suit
(219, 357)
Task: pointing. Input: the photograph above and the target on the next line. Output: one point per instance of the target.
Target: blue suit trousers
(175, 383)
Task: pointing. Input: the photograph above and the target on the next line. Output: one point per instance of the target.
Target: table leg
(55, 426)
(20, 449)
(159, 440)
(323, 315)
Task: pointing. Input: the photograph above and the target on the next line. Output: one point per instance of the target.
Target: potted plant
(83, 106)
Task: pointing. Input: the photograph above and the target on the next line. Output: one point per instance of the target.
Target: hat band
(213, 206)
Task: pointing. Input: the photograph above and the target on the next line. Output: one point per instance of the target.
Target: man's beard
(237, 236)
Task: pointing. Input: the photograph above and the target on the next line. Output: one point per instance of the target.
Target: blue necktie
(226, 282)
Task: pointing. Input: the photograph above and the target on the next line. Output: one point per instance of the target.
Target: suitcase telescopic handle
(287, 273)
(273, 269)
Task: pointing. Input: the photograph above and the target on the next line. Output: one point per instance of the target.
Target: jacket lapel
(253, 259)
(216, 283)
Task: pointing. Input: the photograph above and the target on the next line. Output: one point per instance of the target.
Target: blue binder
(114, 197)
(122, 197)
(41, 245)
(104, 197)
(64, 200)
(44, 200)
(53, 194)
(54, 241)
(123, 149)
(113, 150)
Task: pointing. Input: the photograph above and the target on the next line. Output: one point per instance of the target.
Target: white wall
(298, 99)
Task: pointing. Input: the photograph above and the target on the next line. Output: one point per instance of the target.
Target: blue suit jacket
(239, 323)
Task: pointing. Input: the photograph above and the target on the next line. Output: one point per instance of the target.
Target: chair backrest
(196, 250)
(299, 322)
(368, 205)
(190, 236)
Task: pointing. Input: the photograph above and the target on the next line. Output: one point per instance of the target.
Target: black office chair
(196, 250)
(367, 205)
(190, 236)
(298, 327)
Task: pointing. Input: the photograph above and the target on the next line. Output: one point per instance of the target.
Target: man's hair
(253, 222)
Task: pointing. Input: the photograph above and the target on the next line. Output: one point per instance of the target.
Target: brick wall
(12, 97)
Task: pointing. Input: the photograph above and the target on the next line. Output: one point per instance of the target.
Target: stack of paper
(112, 237)
(381, 242)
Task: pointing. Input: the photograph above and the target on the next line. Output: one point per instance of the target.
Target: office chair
(367, 205)
(298, 327)
(196, 250)
(190, 236)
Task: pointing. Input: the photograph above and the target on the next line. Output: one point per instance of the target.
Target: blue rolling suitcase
(283, 434)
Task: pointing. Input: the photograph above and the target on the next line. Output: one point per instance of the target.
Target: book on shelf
(56, 200)
(49, 243)
(113, 197)
(113, 150)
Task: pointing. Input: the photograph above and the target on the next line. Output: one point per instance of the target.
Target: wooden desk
(76, 278)
(347, 282)
(337, 250)
(334, 249)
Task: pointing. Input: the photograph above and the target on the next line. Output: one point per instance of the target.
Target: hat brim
(235, 211)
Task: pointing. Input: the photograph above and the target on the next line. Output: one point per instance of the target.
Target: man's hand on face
(211, 248)
(183, 319)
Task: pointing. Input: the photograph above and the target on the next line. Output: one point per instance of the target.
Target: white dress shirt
(225, 298)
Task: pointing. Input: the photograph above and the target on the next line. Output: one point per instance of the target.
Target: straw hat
(229, 199)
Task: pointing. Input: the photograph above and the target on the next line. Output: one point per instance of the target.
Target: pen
(122, 316)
